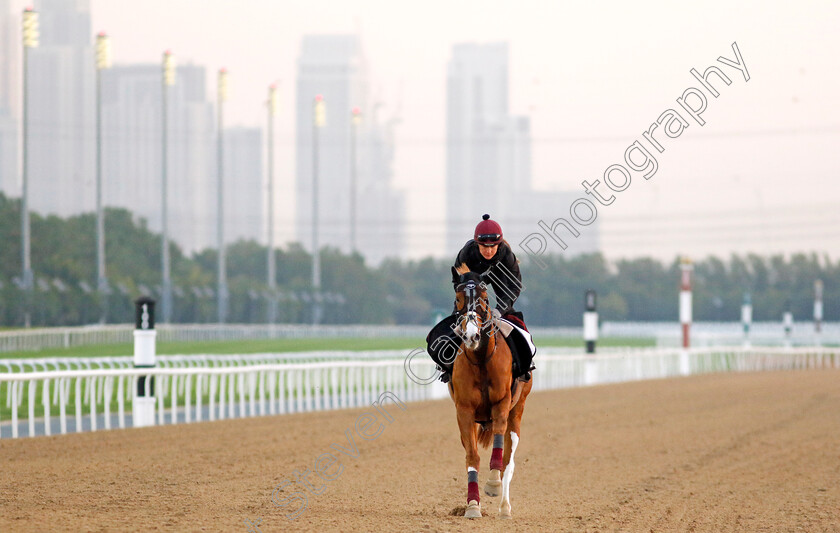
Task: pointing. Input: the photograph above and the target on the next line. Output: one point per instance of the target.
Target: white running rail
(193, 394)
(101, 397)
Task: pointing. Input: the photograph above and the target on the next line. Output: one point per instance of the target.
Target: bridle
(475, 307)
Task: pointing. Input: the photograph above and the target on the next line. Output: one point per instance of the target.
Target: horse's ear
(462, 268)
(455, 276)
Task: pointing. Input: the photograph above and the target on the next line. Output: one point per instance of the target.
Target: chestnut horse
(488, 403)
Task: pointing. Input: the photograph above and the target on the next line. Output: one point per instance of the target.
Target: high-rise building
(488, 155)
(334, 67)
(10, 50)
(132, 146)
(61, 111)
(244, 197)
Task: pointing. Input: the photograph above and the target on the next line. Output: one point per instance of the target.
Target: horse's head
(472, 305)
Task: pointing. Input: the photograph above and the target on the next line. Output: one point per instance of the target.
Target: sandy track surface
(753, 452)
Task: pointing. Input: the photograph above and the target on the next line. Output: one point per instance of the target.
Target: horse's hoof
(504, 512)
(493, 487)
(473, 510)
(494, 484)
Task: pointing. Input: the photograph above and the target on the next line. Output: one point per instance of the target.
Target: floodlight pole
(103, 61)
(30, 40)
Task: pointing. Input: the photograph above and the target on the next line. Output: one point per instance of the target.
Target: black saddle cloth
(442, 345)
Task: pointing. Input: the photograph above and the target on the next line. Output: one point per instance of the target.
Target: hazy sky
(761, 175)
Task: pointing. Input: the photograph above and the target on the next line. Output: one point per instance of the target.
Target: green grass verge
(291, 345)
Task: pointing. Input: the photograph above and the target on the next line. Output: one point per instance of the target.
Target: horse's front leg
(499, 414)
(511, 442)
(468, 427)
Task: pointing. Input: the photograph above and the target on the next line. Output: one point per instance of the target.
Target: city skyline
(354, 143)
(489, 158)
(737, 184)
(132, 149)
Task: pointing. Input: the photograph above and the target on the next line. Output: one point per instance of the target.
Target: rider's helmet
(488, 232)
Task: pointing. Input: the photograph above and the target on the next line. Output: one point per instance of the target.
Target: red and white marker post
(686, 267)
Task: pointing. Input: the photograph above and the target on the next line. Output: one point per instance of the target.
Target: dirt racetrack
(749, 452)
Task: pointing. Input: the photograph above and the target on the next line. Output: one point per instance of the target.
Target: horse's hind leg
(466, 423)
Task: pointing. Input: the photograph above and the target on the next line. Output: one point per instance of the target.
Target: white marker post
(746, 318)
(787, 321)
(590, 322)
(818, 310)
(143, 409)
(686, 267)
(590, 335)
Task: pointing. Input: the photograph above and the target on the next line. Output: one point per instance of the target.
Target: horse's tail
(485, 435)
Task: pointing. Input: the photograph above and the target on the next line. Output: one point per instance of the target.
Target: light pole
(30, 40)
(270, 266)
(103, 61)
(168, 81)
(319, 120)
(222, 273)
(356, 120)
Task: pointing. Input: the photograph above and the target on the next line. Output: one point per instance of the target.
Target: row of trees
(397, 291)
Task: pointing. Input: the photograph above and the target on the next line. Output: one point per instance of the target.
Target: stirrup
(445, 376)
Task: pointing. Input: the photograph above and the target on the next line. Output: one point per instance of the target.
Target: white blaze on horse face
(505, 503)
(472, 329)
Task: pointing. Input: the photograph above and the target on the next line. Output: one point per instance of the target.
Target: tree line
(396, 291)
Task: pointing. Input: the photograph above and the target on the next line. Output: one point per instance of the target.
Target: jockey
(490, 256)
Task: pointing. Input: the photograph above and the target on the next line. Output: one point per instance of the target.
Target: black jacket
(502, 272)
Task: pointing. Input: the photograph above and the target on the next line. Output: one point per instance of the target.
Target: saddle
(441, 339)
(519, 341)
